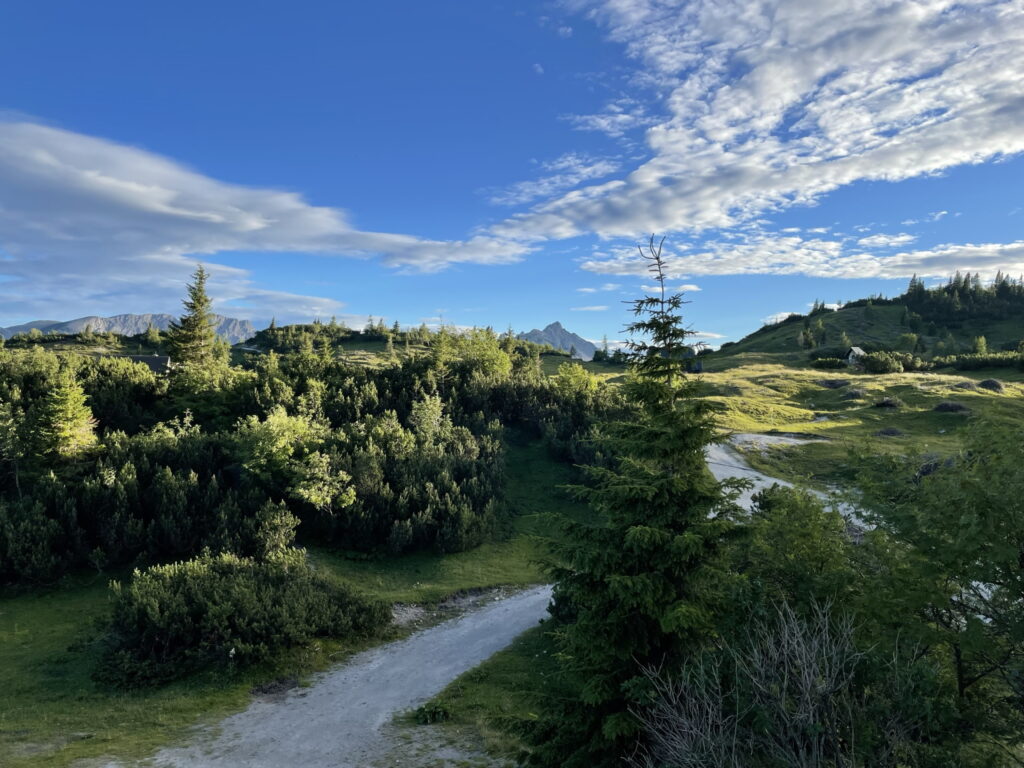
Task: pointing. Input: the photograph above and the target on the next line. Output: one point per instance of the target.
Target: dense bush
(973, 362)
(830, 363)
(224, 611)
(881, 362)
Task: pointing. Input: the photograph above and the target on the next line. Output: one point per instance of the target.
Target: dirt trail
(341, 719)
(724, 462)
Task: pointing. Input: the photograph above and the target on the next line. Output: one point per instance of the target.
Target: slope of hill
(872, 327)
(128, 325)
(560, 338)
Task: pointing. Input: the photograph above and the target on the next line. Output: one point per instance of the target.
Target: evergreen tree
(153, 336)
(641, 587)
(65, 426)
(191, 340)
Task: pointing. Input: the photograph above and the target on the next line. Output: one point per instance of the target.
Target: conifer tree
(191, 339)
(153, 336)
(642, 586)
(65, 426)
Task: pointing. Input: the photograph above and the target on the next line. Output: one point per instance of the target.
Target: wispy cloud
(617, 118)
(83, 220)
(685, 288)
(605, 287)
(593, 308)
(933, 216)
(763, 253)
(854, 91)
(565, 172)
(777, 317)
(886, 241)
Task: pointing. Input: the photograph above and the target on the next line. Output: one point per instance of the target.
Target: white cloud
(565, 172)
(687, 288)
(762, 253)
(594, 308)
(933, 216)
(85, 223)
(778, 317)
(708, 335)
(886, 241)
(605, 287)
(565, 31)
(826, 96)
(617, 118)
(538, 69)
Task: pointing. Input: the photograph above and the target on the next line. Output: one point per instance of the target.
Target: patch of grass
(771, 397)
(52, 713)
(550, 363)
(493, 701)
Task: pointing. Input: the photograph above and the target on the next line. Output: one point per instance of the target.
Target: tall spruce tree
(642, 585)
(192, 339)
(153, 337)
(65, 426)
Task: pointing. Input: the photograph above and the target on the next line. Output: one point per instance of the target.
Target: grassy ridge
(765, 398)
(881, 326)
(51, 712)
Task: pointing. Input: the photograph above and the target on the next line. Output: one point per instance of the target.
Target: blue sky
(495, 163)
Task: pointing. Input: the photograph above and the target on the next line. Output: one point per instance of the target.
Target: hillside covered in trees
(962, 316)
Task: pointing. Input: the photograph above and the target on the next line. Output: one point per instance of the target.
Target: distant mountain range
(128, 325)
(559, 338)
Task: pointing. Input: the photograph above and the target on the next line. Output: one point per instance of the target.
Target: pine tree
(191, 339)
(65, 426)
(643, 586)
(153, 336)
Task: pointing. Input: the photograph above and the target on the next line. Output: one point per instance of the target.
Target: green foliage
(224, 611)
(64, 425)
(956, 528)
(192, 339)
(829, 363)
(647, 578)
(974, 362)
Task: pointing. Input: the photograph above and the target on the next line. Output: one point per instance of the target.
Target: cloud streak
(88, 221)
(771, 254)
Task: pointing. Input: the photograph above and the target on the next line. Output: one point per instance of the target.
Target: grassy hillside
(775, 398)
(877, 326)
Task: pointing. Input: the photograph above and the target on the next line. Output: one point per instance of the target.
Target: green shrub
(881, 362)
(834, 363)
(973, 362)
(432, 712)
(224, 610)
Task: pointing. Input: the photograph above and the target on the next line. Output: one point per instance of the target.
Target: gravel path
(724, 462)
(340, 720)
